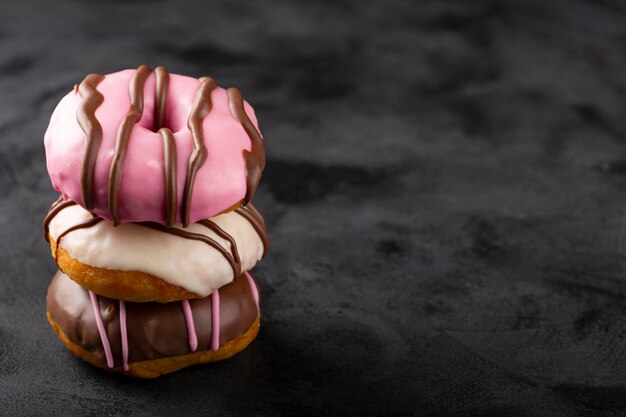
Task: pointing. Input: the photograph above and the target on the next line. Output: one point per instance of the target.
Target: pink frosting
(220, 182)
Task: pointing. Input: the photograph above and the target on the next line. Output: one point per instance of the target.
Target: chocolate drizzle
(86, 116)
(252, 215)
(224, 235)
(249, 212)
(255, 158)
(169, 167)
(201, 107)
(160, 105)
(123, 136)
(169, 144)
(55, 209)
(85, 225)
(196, 236)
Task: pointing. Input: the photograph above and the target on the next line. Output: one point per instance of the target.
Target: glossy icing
(190, 263)
(81, 165)
(121, 333)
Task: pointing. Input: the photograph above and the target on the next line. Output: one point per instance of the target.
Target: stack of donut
(154, 233)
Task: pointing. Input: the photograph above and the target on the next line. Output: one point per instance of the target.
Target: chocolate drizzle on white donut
(252, 215)
(84, 225)
(55, 209)
(249, 212)
(199, 237)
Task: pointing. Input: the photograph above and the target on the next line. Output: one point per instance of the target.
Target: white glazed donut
(200, 258)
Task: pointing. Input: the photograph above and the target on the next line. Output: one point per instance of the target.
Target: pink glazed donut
(138, 145)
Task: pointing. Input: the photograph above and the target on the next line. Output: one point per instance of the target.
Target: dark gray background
(444, 194)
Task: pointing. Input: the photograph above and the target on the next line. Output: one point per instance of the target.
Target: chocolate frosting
(154, 330)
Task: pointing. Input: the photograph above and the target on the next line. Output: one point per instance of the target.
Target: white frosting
(191, 264)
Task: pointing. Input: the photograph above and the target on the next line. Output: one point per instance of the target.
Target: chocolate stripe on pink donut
(123, 136)
(201, 107)
(169, 167)
(160, 105)
(86, 116)
(255, 158)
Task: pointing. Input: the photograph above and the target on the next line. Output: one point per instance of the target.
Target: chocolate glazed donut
(121, 333)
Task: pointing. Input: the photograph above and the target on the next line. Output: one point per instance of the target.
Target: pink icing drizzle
(253, 288)
(124, 334)
(215, 320)
(103, 335)
(191, 328)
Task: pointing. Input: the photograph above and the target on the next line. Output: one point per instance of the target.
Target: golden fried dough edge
(121, 285)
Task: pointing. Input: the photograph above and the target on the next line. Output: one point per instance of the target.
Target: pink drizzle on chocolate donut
(124, 334)
(101, 329)
(146, 330)
(191, 327)
(215, 320)
(254, 289)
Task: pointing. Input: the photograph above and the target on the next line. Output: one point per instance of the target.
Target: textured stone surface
(444, 193)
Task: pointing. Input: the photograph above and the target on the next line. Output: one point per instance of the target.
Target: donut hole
(148, 122)
(173, 121)
(175, 116)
